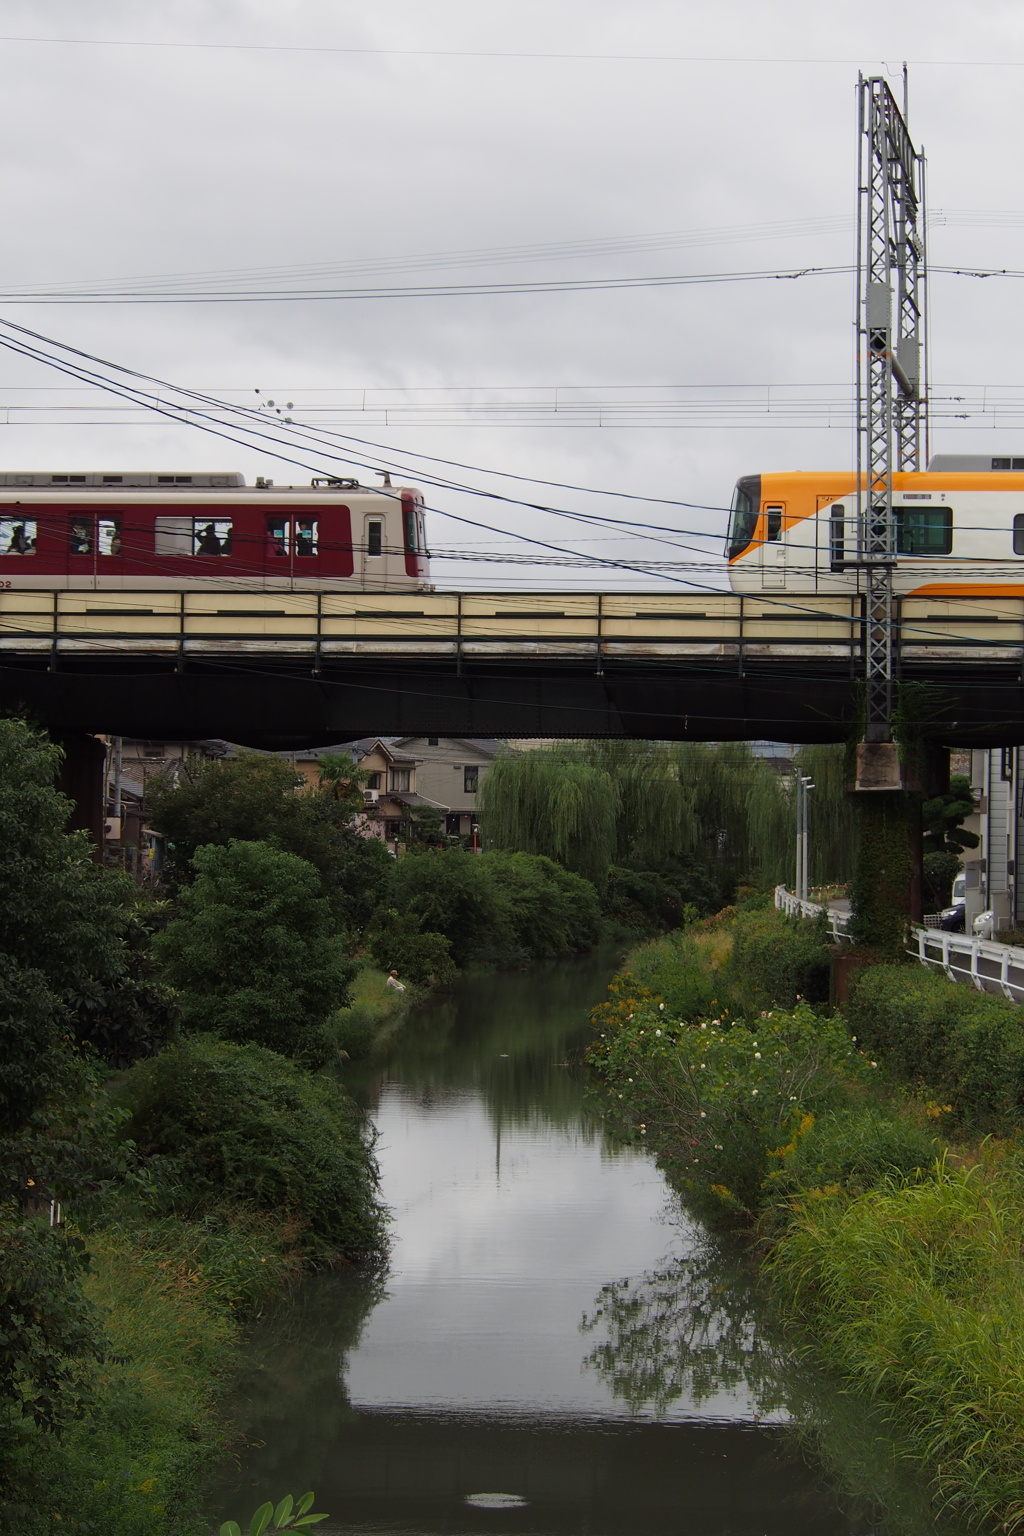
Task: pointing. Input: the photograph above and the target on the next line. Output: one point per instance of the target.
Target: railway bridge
(299, 667)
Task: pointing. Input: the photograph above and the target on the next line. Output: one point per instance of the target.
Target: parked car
(985, 925)
(953, 919)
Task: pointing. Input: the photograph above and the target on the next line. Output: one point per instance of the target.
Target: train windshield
(746, 504)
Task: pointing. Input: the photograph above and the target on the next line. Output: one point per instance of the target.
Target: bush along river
(556, 1348)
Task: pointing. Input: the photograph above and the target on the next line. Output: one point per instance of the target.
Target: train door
(373, 564)
(773, 549)
(291, 542)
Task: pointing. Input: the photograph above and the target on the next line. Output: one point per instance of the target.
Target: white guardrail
(838, 920)
(989, 966)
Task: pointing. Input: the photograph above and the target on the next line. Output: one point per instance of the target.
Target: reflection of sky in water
(503, 1239)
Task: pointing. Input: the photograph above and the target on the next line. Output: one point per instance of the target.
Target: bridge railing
(986, 964)
(838, 919)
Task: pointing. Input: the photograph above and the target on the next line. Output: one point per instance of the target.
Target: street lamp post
(804, 785)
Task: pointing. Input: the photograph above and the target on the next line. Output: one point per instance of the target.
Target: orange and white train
(959, 531)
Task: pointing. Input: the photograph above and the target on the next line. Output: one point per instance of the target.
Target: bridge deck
(302, 664)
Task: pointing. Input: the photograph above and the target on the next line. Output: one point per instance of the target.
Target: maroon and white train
(137, 531)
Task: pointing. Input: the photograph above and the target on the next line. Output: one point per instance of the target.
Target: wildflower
(703, 1025)
(657, 1031)
(703, 1114)
(874, 1063)
(754, 1092)
(661, 1007)
(757, 1055)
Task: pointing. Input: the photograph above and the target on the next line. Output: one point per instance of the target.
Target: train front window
(746, 500)
(411, 532)
(17, 536)
(924, 530)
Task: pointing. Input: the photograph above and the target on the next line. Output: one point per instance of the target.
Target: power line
(500, 53)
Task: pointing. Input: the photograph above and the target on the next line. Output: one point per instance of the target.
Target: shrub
(254, 953)
(237, 1123)
(672, 971)
(551, 912)
(397, 943)
(966, 1045)
(855, 1148)
(718, 1101)
(777, 959)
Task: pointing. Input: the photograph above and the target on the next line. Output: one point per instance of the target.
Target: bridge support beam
(83, 779)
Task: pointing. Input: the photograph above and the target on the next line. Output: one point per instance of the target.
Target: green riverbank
(892, 1252)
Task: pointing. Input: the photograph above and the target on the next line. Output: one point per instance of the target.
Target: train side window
(374, 537)
(1018, 533)
(305, 537)
(173, 536)
(211, 536)
(278, 530)
(108, 536)
(837, 533)
(17, 536)
(411, 539)
(774, 518)
(80, 536)
(924, 530)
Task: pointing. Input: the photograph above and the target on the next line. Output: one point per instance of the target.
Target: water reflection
(692, 1329)
(467, 1372)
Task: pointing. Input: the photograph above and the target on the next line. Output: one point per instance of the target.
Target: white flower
(754, 1092)
(703, 1114)
(874, 1063)
(792, 1098)
(702, 1024)
(657, 1031)
(757, 1055)
(661, 1007)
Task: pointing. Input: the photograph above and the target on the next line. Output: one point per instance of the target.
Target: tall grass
(917, 1292)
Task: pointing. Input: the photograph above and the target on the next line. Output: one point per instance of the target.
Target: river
(555, 1349)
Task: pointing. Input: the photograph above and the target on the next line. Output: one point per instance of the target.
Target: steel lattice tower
(892, 425)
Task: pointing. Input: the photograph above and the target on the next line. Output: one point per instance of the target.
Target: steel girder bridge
(297, 668)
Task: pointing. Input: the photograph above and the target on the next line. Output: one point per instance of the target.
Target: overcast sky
(410, 144)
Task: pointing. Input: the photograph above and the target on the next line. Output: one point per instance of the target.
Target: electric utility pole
(892, 425)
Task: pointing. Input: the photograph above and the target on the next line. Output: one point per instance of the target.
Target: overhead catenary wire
(255, 424)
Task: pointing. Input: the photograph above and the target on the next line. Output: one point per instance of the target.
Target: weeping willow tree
(831, 818)
(641, 804)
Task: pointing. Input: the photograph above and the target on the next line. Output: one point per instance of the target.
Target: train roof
(112, 481)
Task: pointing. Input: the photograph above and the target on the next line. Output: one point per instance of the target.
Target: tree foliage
(256, 798)
(254, 953)
(238, 1124)
(642, 806)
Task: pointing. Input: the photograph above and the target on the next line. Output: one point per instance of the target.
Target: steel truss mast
(891, 362)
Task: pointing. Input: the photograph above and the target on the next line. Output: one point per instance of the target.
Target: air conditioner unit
(371, 795)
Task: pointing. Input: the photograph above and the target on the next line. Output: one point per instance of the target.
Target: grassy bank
(373, 1015)
(896, 1251)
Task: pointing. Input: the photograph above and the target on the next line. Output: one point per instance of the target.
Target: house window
(398, 780)
(373, 781)
(470, 780)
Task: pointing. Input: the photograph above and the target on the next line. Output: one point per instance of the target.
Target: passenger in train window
(108, 536)
(18, 538)
(81, 537)
(305, 538)
(207, 542)
(277, 539)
